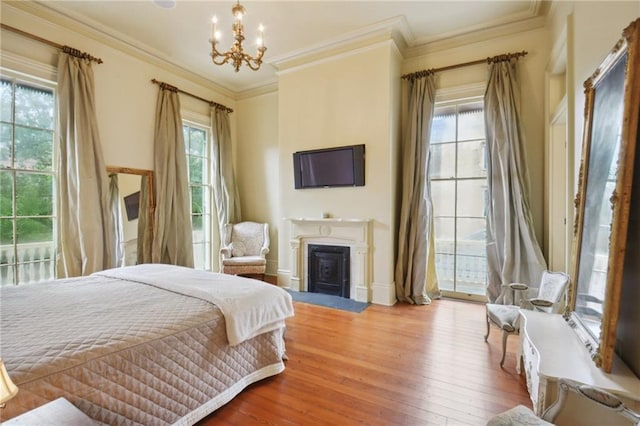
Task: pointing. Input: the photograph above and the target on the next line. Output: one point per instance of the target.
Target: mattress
(129, 352)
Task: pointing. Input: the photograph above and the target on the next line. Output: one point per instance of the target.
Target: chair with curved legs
(549, 298)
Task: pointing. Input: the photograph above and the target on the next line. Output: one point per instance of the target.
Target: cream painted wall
(531, 75)
(125, 96)
(345, 100)
(258, 166)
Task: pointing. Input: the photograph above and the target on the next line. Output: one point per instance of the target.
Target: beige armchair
(550, 297)
(244, 247)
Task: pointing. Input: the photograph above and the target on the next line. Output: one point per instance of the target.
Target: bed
(147, 344)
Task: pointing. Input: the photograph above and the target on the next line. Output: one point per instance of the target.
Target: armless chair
(244, 248)
(550, 298)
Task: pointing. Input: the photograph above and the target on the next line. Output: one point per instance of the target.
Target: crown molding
(260, 90)
(395, 28)
(475, 36)
(109, 37)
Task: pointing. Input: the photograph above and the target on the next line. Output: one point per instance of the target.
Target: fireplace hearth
(329, 270)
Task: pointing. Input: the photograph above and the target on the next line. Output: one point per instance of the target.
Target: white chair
(244, 248)
(550, 298)
(577, 404)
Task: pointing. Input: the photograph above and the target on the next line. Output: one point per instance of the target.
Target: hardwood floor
(400, 365)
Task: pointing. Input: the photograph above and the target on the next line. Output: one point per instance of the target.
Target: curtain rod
(174, 88)
(493, 59)
(66, 49)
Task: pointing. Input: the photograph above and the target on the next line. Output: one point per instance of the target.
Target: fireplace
(329, 270)
(353, 234)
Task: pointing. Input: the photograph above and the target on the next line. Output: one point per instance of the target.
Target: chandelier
(236, 54)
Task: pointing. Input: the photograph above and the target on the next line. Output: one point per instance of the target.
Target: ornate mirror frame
(150, 191)
(612, 107)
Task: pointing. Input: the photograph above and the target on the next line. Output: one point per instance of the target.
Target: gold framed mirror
(612, 100)
(133, 211)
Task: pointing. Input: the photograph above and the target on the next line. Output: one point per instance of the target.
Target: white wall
(258, 166)
(344, 100)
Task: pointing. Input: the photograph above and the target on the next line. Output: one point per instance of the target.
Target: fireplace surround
(351, 233)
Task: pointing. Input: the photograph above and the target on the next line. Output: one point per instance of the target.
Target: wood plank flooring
(400, 365)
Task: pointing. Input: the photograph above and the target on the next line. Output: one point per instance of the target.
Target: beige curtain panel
(225, 191)
(415, 274)
(116, 214)
(172, 234)
(86, 234)
(145, 232)
(513, 253)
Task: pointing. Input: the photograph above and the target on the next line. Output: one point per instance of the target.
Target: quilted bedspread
(126, 352)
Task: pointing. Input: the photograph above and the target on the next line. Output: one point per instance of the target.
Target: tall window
(459, 194)
(196, 139)
(27, 182)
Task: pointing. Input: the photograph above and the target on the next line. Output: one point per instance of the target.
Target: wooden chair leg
(504, 347)
(486, 336)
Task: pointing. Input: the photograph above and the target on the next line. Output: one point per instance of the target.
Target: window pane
(445, 252)
(34, 194)
(34, 107)
(471, 159)
(6, 236)
(33, 149)
(471, 264)
(442, 162)
(471, 121)
(6, 100)
(6, 194)
(196, 169)
(471, 198)
(441, 198)
(197, 142)
(443, 126)
(197, 199)
(6, 138)
(34, 230)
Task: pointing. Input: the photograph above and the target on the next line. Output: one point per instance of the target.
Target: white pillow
(237, 249)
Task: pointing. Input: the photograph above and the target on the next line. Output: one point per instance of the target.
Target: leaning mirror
(132, 207)
(612, 96)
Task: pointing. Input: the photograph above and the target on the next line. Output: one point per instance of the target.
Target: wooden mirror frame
(601, 347)
(149, 175)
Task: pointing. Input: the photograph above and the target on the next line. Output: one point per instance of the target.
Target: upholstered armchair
(577, 404)
(550, 297)
(244, 247)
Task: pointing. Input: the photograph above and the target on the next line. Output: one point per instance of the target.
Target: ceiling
(180, 34)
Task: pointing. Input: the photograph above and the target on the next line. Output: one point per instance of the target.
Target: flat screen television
(329, 167)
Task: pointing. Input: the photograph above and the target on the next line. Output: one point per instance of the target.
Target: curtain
(225, 191)
(85, 225)
(172, 236)
(513, 253)
(415, 274)
(116, 214)
(145, 230)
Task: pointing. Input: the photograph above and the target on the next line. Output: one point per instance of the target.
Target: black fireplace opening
(329, 270)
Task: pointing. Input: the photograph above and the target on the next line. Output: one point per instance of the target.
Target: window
(196, 140)
(459, 194)
(27, 182)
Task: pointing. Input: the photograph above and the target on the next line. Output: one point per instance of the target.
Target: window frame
(18, 78)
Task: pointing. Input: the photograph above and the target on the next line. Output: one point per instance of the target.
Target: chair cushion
(518, 415)
(505, 316)
(238, 249)
(246, 260)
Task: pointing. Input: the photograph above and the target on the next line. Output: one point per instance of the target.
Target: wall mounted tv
(329, 167)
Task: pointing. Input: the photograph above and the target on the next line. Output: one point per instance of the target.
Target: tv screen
(329, 167)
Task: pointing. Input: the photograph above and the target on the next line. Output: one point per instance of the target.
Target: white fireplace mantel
(352, 233)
